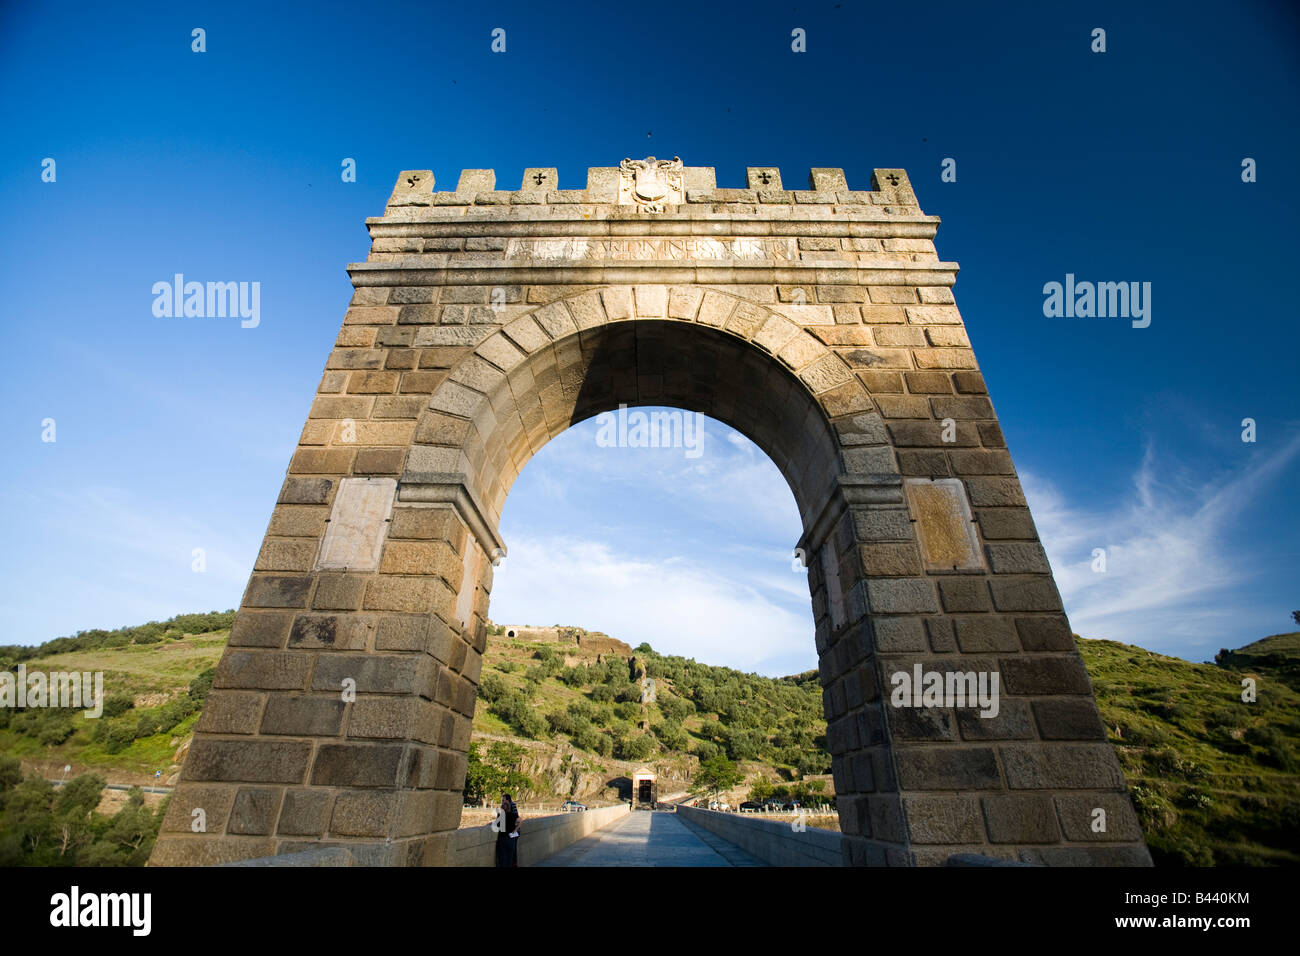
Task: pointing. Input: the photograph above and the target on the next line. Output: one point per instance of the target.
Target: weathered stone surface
(254, 811)
(230, 712)
(1061, 767)
(1068, 719)
(249, 761)
(943, 819)
(299, 715)
(944, 524)
(304, 812)
(357, 765)
(1015, 818)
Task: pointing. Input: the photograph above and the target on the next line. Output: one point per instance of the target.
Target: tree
(11, 772)
(481, 779)
(717, 774)
(760, 789)
(71, 809)
(635, 747)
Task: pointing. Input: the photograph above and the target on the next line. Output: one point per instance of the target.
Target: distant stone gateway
(818, 322)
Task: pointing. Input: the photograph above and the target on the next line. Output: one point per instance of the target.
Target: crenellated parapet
(654, 186)
(655, 220)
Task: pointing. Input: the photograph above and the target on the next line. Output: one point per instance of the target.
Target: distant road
(119, 786)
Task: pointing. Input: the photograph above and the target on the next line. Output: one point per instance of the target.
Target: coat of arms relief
(651, 183)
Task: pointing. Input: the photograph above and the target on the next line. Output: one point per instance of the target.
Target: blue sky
(1118, 166)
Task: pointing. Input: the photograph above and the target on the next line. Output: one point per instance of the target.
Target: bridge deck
(651, 839)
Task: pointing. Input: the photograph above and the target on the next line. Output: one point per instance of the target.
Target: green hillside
(1214, 779)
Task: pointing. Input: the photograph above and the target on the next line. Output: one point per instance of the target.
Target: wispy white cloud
(1174, 577)
(110, 559)
(692, 555)
(720, 615)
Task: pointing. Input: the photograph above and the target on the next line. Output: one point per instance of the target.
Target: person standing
(507, 828)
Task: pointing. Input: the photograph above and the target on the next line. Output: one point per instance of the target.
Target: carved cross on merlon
(540, 179)
(414, 188)
(892, 179)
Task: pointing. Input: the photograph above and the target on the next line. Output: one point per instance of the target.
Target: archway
(342, 708)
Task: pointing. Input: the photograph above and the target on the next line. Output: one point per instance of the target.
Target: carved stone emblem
(651, 183)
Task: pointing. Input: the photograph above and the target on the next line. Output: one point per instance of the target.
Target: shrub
(115, 705)
(199, 687)
(491, 688)
(674, 709)
(627, 710)
(115, 735)
(561, 722)
(54, 734)
(672, 735)
(635, 747)
(705, 750)
(147, 726)
(588, 738)
(583, 710)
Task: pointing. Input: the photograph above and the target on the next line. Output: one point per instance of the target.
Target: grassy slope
(149, 673)
(1206, 769)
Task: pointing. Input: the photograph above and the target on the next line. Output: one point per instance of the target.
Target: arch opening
(685, 366)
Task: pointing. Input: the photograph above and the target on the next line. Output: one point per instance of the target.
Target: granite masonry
(821, 323)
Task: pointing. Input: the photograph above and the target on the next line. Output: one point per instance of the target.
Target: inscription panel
(657, 247)
(944, 524)
(357, 525)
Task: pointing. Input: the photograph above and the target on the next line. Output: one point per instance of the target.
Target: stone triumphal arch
(821, 323)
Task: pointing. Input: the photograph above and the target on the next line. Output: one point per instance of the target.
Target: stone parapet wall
(539, 837)
(776, 843)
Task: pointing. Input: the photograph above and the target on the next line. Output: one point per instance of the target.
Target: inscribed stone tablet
(944, 523)
(354, 536)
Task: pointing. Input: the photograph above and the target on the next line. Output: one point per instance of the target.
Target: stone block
(214, 800)
(262, 670)
(1002, 523)
(300, 715)
(304, 812)
(254, 811)
(937, 767)
(1025, 594)
(985, 634)
(943, 819)
(277, 591)
(1013, 722)
(900, 596)
(1044, 675)
(1045, 633)
(375, 673)
(1081, 823)
(229, 712)
(247, 761)
(1068, 719)
(357, 765)
(338, 592)
(260, 628)
(1020, 818)
(965, 595)
(1061, 766)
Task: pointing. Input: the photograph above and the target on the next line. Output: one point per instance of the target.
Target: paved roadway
(119, 786)
(651, 838)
